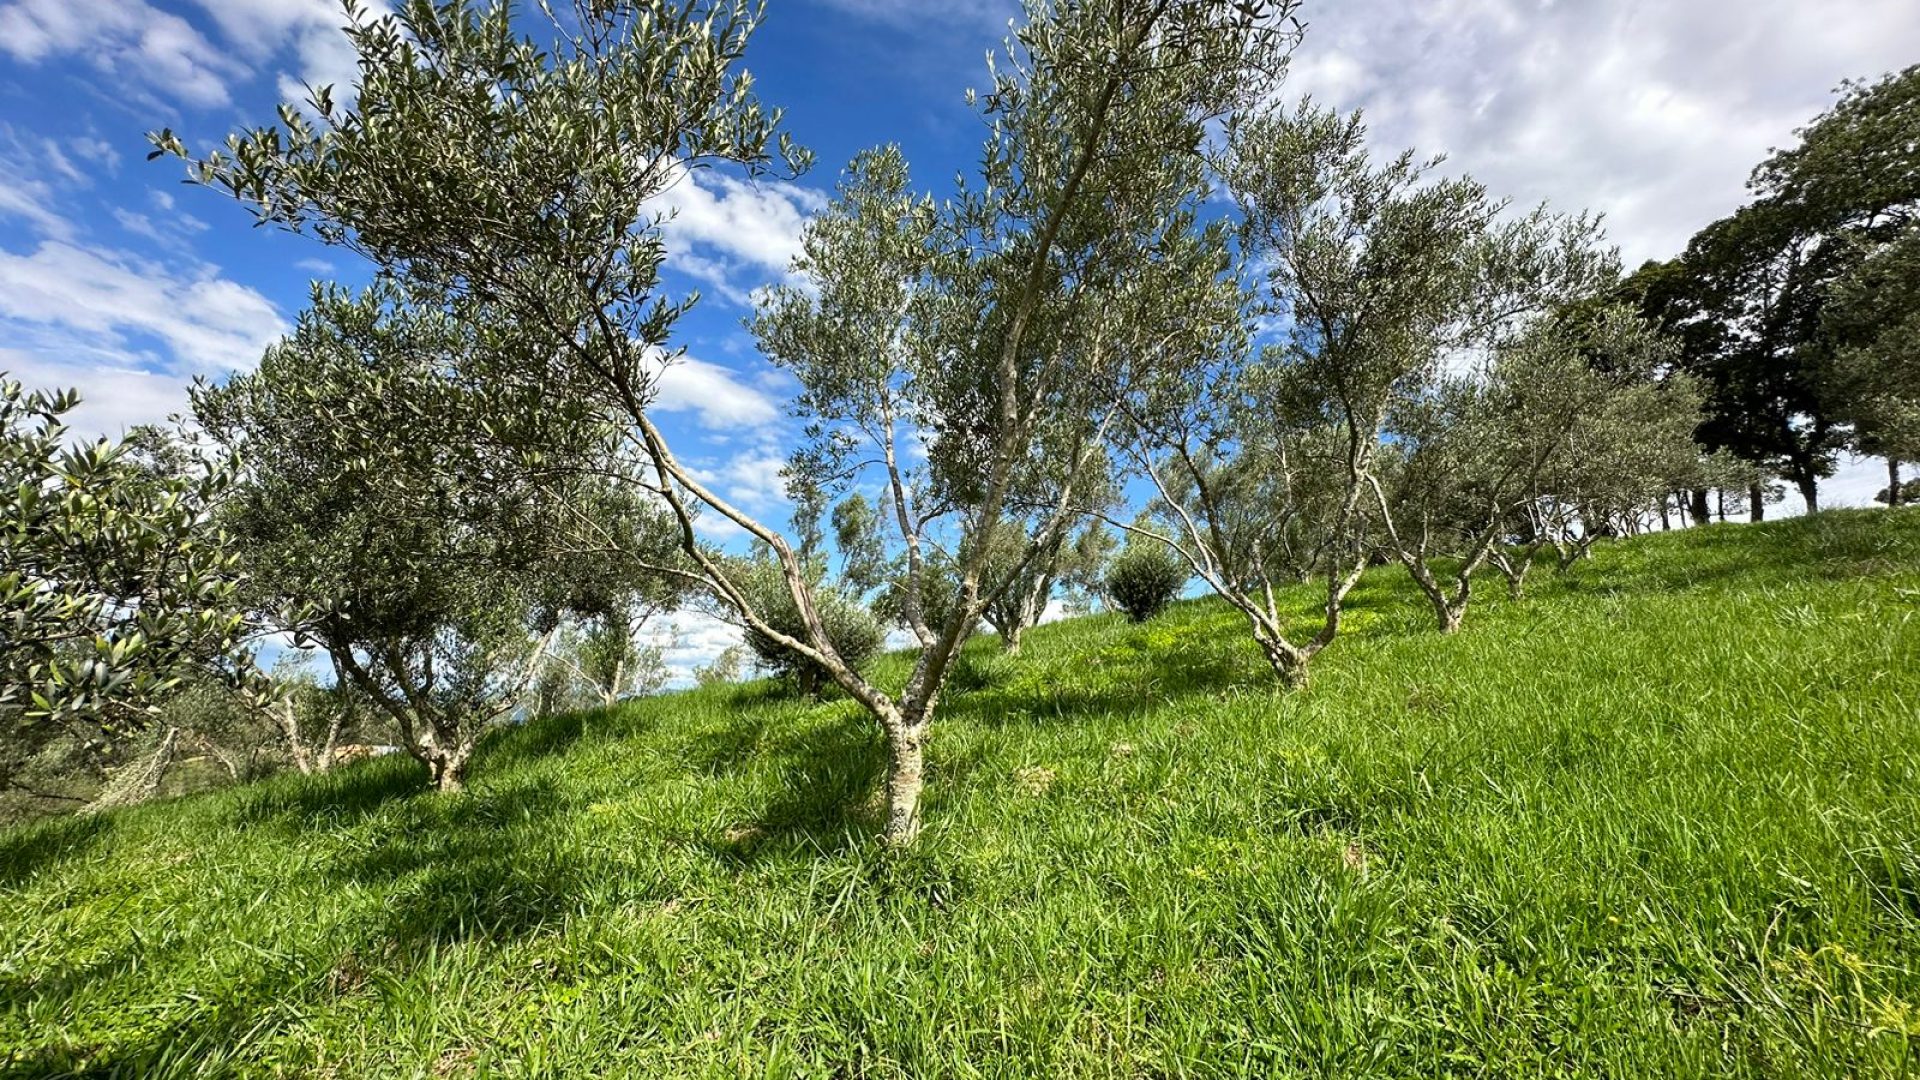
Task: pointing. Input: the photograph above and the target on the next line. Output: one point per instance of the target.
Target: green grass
(1661, 819)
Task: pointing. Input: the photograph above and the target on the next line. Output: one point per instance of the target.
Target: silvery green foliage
(1001, 329)
(1145, 578)
(429, 564)
(115, 584)
(1577, 419)
(1368, 278)
(511, 182)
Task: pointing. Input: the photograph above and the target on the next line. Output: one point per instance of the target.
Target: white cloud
(733, 234)
(57, 160)
(127, 40)
(91, 298)
(98, 151)
(754, 480)
(693, 639)
(908, 14)
(112, 398)
(715, 392)
(1654, 113)
(25, 193)
(30, 200)
(168, 232)
(755, 223)
(311, 29)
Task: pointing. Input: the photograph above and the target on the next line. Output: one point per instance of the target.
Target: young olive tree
(1265, 463)
(518, 177)
(115, 583)
(602, 658)
(1002, 327)
(371, 524)
(1479, 451)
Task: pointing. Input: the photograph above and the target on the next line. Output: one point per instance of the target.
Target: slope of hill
(1661, 818)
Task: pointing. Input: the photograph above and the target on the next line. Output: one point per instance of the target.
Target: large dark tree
(1753, 297)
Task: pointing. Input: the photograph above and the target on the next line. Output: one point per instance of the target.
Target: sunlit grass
(1661, 818)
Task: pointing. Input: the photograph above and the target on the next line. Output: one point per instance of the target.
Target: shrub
(1145, 579)
(855, 633)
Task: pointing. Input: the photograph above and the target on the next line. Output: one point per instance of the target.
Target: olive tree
(522, 177)
(1481, 450)
(1265, 455)
(115, 582)
(370, 524)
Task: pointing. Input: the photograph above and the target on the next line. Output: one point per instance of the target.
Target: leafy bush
(855, 633)
(1145, 579)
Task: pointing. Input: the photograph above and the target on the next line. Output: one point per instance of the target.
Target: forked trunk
(1448, 611)
(1011, 635)
(1515, 570)
(1289, 662)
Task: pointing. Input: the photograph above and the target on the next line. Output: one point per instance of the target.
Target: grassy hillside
(1662, 818)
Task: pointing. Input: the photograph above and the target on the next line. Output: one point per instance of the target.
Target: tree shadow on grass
(478, 864)
(1132, 676)
(28, 851)
(827, 773)
(341, 796)
(727, 749)
(215, 1039)
(548, 736)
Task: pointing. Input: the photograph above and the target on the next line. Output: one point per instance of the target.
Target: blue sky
(119, 280)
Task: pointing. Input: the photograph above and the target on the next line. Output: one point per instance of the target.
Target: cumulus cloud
(1654, 113)
(691, 639)
(127, 40)
(113, 397)
(170, 59)
(715, 393)
(110, 299)
(128, 334)
(311, 30)
(734, 234)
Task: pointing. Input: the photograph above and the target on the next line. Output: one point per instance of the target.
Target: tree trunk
(1756, 503)
(1810, 491)
(1893, 482)
(449, 771)
(1720, 497)
(906, 775)
(1289, 665)
(1697, 507)
(1447, 611)
(1011, 636)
